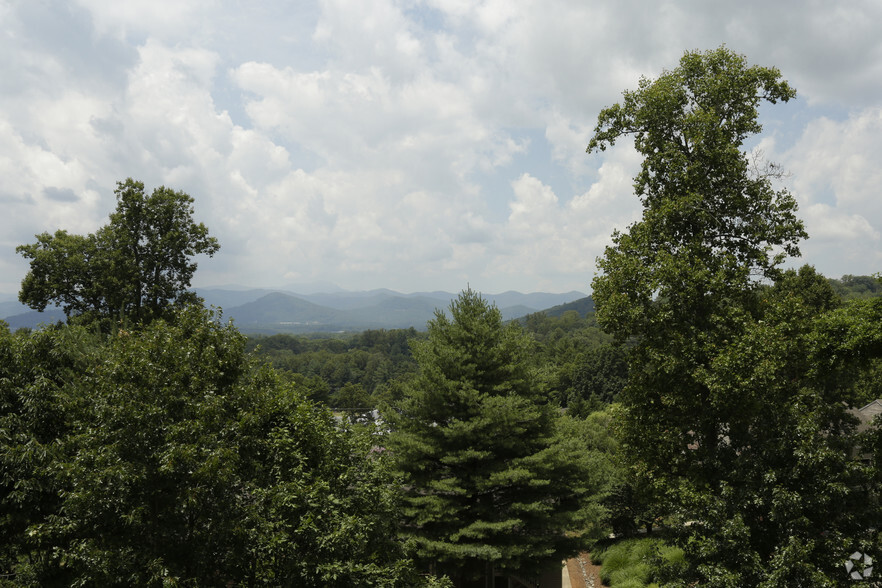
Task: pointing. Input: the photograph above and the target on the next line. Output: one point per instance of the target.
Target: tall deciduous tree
(487, 481)
(136, 266)
(723, 415)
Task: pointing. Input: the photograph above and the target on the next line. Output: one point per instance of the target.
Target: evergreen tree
(488, 482)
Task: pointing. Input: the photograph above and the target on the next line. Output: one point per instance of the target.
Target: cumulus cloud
(836, 176)
(412, 144)
(548, 236)
(148, 18)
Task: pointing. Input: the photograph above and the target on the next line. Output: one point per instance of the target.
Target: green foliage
(599, 378)
(491, 475)
(135, 267)
(38, 406)
(735, 409)
(637, 562)
(166, 456)
(574, 363)
(849, 287)
(710, 219)
(590, 443)
(372, 360)
(577, 366)
(785, 480)
(351, 396)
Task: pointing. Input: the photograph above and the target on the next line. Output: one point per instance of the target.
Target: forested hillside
(575, 363)
(578, 365)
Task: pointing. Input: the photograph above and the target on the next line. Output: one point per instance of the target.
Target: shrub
(634, 562)
(637, 571)
(615, 559)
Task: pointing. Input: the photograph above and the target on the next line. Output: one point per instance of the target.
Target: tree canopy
(167, 456)
(712, 220)
(135, 267)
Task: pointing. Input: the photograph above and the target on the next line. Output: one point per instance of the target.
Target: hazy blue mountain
(281, 312)
(346, 300)
(513, 312)
(225, 299)
(311, 287)
(535, 300)
(350, 300)
(265, 310)
(277, 312)
(12, 307)
(374, 309)
(401, 312)
(18, 315)
(32, 318)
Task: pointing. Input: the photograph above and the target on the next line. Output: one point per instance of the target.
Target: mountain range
(270, 311)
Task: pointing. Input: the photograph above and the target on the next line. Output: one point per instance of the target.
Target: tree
(597, 380)
(351, 395)
(488, 482)
(136, 266)
(849, 286)
(724, 415)
(167, 456)
(710, 219)
(787, 503)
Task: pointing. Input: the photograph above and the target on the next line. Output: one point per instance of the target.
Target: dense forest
(579, 366)
(576, 363)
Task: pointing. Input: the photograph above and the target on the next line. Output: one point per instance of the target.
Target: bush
(615, 559)
(669, 564)
(635, 562)
(630, 584)
(638, 572)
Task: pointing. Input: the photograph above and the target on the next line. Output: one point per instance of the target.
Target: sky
(415, 145)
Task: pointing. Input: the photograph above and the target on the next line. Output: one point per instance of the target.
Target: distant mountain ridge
(266, 310)
(289, 312)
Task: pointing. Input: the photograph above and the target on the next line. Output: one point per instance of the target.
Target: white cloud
(826, 223)
(835, 175)
(388, 142)
(154, 18)
(842, 157)
(547, 237)
(568, 140)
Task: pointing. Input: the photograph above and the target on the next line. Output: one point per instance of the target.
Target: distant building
(867, 413)
(865, 416)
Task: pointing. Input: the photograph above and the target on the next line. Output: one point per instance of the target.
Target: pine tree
(488, 482)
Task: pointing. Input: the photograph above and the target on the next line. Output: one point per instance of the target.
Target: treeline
(356, 371)
(163, 454)
(849, 287)
(577, 365)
